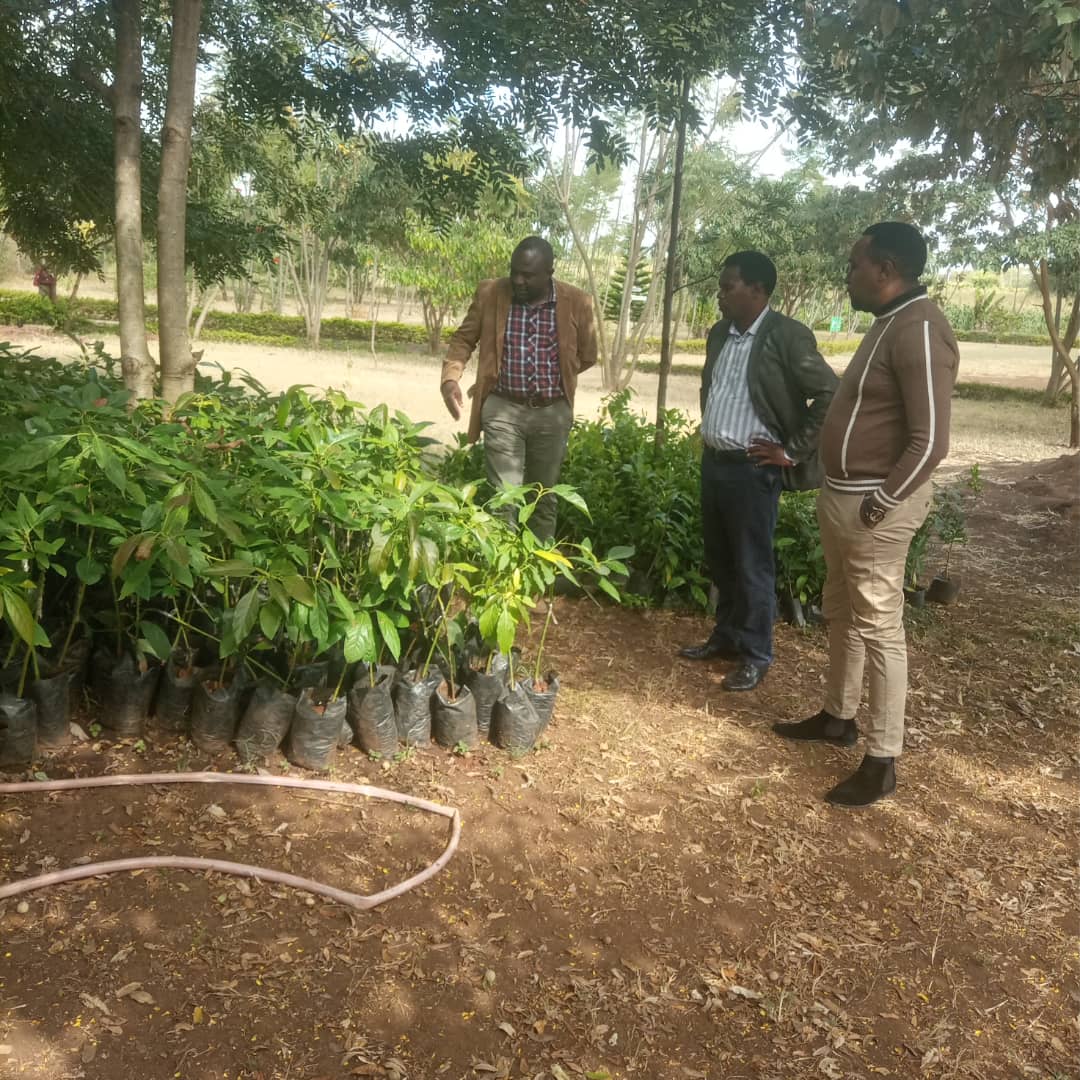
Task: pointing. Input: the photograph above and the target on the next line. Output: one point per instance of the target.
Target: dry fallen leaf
(507, 1029)
(95, 1003)
(122, 954)
(136, 993)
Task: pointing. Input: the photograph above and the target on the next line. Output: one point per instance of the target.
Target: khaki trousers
(863, 604)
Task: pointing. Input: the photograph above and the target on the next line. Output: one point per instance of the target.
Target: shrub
(238, 337)
(650, 500)
(18, 308)
(276, 528)
(640, 496)
(800, 560)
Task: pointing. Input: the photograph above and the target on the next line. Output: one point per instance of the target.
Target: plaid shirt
(530, 365)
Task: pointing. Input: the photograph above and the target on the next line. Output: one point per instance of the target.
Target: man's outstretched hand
(451, 395)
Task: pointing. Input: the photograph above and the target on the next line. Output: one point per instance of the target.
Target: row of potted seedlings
(376, 708)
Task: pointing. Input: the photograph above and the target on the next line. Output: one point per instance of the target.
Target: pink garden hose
(180, 862)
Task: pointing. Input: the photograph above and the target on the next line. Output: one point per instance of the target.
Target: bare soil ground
(659, 891)
(982, 431)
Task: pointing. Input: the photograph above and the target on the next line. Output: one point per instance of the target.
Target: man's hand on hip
(451, 395)
(765, 452)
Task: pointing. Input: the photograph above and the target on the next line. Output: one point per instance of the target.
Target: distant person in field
(534, 336)
(764, 392)
(45, 282)
(886, 431)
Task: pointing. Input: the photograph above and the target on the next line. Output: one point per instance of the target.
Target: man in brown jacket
(886, 430)
(534, 336)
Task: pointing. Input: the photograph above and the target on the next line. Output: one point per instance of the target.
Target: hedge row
(266, 328)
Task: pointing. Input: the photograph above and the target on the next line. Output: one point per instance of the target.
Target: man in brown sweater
(886, 430)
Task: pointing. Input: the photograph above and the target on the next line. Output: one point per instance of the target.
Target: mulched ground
(657, 892)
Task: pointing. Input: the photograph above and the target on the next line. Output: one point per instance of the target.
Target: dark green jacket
(790, 386)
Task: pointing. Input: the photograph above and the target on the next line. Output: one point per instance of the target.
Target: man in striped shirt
(885, 433)
(764, 392)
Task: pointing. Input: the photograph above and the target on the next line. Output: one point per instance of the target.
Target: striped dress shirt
(730, 422)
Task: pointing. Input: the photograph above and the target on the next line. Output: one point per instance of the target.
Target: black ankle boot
(872, 780)
(824, 727)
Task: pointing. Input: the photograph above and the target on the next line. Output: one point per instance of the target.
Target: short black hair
(538, 245)
(899, 243)
(755, 268)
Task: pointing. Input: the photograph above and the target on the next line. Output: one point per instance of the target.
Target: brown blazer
(485, 326)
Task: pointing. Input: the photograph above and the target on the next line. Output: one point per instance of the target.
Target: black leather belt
(727, 455)
(532, 401)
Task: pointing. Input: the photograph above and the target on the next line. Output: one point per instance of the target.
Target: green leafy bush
(800, 560)
(650, 500)
(277, 528)
(19, 308)
(642, 497)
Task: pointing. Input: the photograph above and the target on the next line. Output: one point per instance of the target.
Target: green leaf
(270, 619)
(206, 505)
(89, 570)
(156, 640)
(246, 613)
(32, 454)
(18, 615)
(389, 634)
(319, 622)
(343, 603)
(606, 586)
(568, 494)
(620, 552)
(230, 568)
(429, 556)
(506, 629)
(360, 640)
(109, 464)
(489, 619)
(379, 543)
(299, 589)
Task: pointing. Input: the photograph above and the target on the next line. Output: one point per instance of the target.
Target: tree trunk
(672, 260)
(135, 360)
(374, 307)
(1059, 376)
(626, 347)
(1062, 347)
(177, 363)
(562, 193)
(208, 302)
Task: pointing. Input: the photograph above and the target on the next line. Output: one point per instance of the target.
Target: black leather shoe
(872, 780)
(824, 727)
(746, 676)
(708, 651)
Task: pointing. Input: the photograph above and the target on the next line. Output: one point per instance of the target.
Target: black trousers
(739, 502)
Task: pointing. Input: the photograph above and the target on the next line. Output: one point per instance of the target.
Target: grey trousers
(523, 445)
